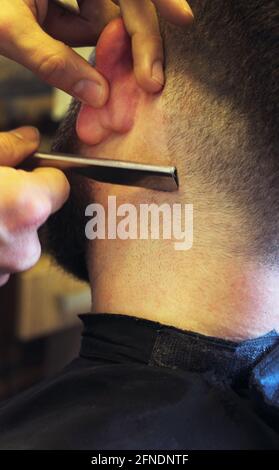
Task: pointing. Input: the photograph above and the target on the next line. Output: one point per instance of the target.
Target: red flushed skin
(114, 61)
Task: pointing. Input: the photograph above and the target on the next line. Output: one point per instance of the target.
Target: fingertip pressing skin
(150, 76)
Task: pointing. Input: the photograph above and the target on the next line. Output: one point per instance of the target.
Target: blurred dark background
(39, 327)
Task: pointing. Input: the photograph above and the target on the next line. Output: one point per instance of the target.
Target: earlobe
(114, 61)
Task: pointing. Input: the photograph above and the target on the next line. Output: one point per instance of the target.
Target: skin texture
(37, 33)
(122, 121)
(214, 288)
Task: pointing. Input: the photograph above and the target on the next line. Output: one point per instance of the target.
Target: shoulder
(125, 406)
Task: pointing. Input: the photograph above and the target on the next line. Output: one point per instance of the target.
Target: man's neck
(205, 289)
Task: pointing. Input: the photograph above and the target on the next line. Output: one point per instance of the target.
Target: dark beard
(63, 236)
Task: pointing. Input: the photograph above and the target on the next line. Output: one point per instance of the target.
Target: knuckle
(52, 66)
(30, 254)
(22, 206)
(24, 210)
(26, 252)
(33, 211)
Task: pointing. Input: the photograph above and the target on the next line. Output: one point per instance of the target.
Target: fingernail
(27, 133)
(89, 92)
(158, 72)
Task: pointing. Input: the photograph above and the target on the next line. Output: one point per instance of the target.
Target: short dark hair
(223, 85)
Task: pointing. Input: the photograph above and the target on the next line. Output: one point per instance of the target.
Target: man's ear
(114, 60)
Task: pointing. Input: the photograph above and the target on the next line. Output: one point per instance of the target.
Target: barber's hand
(35, 33)
(141, 21)
(26, 201)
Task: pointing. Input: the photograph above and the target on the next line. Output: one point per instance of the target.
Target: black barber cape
(138, 385)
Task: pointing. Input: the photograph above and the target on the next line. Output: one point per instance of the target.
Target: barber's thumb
(17, 144)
